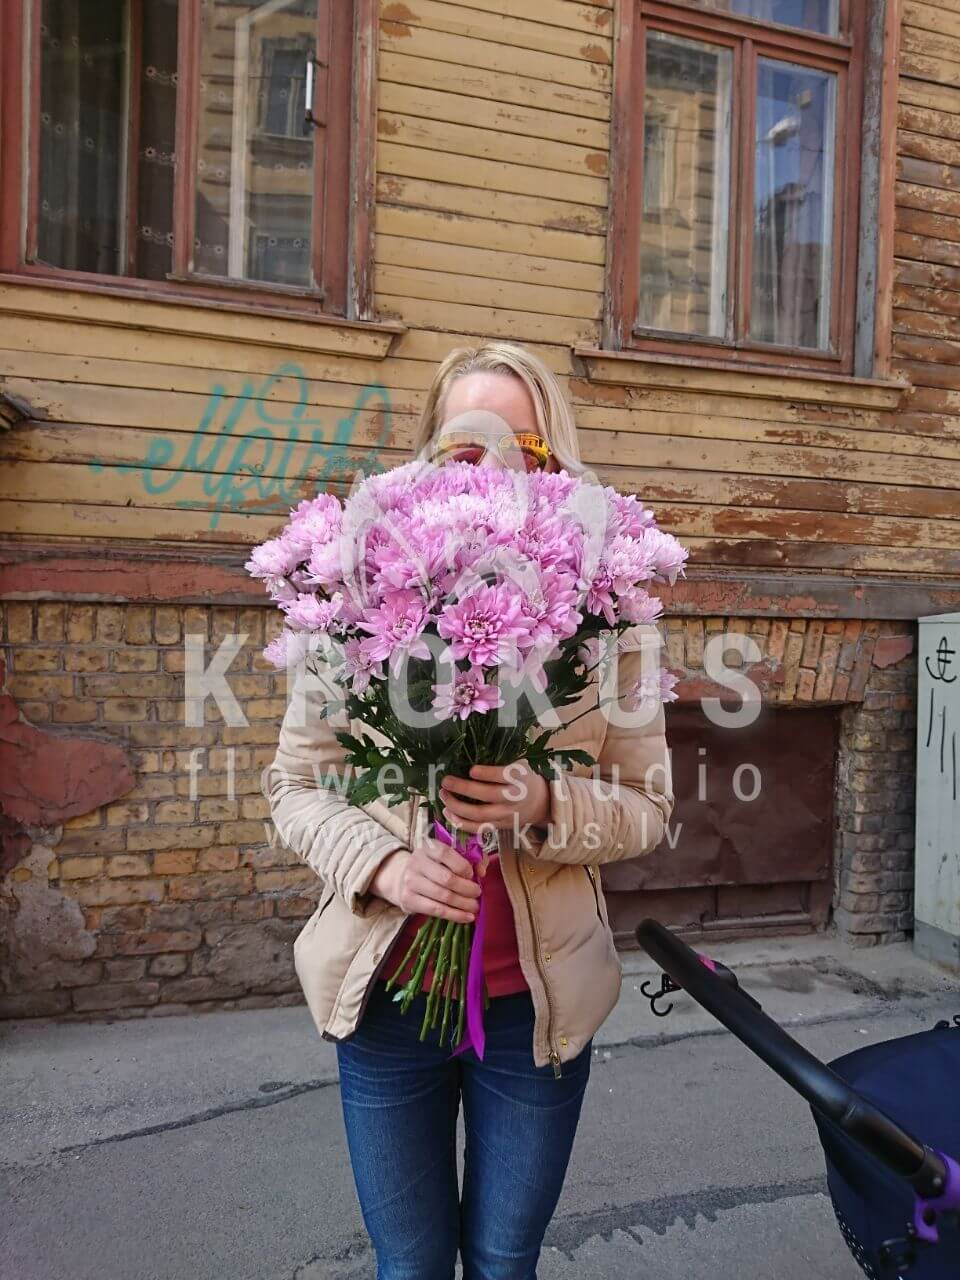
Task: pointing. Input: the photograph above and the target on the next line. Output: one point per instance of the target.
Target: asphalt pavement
(212, 1146)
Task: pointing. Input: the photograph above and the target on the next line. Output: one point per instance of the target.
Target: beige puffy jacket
(565, 944)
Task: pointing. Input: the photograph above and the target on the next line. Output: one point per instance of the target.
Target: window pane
(89, 138)
(686, 184)
(793, 205)
(82, 134)
(155, 145)
(821, 16)
(255, 149)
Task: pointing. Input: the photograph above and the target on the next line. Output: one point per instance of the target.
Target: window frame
(344, 169)
(750, 40)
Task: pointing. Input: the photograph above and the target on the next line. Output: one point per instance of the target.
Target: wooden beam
(32, 569)
(634, 369)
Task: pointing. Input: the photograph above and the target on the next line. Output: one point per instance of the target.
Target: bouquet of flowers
(447, 601)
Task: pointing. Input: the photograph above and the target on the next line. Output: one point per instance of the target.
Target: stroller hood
(915, 1080)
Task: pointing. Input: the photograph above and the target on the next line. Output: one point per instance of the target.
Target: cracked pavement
(195, 1148)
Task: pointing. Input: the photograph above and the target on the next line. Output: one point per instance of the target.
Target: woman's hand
(496, 796)
(432, 880)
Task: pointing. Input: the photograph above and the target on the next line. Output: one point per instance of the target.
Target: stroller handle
(822, 1088)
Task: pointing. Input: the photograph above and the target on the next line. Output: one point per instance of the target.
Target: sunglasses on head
(526, 450)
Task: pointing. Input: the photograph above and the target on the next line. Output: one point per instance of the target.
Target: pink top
(501, 961)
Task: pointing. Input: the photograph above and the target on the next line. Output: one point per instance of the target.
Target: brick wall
(140, 876)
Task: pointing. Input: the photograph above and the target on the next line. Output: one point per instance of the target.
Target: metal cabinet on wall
(937, 883)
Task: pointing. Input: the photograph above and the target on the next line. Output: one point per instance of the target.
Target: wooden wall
(926, 296)
(157, 421)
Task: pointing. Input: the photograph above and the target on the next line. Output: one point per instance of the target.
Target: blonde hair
(554, 415)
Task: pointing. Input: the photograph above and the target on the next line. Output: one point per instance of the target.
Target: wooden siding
(157, 421)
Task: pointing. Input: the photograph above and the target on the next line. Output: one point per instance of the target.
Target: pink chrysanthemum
(637, 606)
(359, 667)
(396, 629)
(287, 649)
(466, 695)
(657, 687)
(316, 520)
(551, 610)
(667, 555)
(311, 614)
(485, 626)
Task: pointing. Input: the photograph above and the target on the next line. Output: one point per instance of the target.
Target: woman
(552, 970)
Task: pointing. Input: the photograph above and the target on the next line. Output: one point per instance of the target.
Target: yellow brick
(265, 709)
(125, 813)
(255, 807)
(251, 686)
(251, 621)
(218, 860)
(50, 621)
(153, 837)
(117, 893)
(124, 710)
(174, 862)
(196, 622)
(214, 884)
(86, 659)
(81, 623)
(135, 660)
(109, 623)
(223, 623)
(241, 833)
(287, 878)
(36, 712)
(44, 688)
(218, 809)
(84, 820)
(128, 686)
(252, 733)
(805, 685)
(37, 659)
(74, 711)
(19, 623)
(129, 864)
(175, 811)
(81, 868)
(138, 625)
(155, 788)
(166, 626)
(220, 759)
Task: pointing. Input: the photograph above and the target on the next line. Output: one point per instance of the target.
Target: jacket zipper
(368, 992)
(554, 1055)
(593, 883)
(414, 805)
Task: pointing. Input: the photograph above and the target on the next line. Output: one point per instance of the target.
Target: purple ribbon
(473, 1036)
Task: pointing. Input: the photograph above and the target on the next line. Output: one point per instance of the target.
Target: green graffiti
(244, 447)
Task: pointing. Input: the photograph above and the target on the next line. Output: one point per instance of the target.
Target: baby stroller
(886, 1114)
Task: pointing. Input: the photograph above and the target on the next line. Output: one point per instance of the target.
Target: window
(203, 145)
(735, 233)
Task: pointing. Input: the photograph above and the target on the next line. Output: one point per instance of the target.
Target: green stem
(448, 991)
(464, 954)
(430, 1012)
(416, 980)
(410, 951)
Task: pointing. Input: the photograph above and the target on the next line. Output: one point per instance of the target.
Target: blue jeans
(401, 1098)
